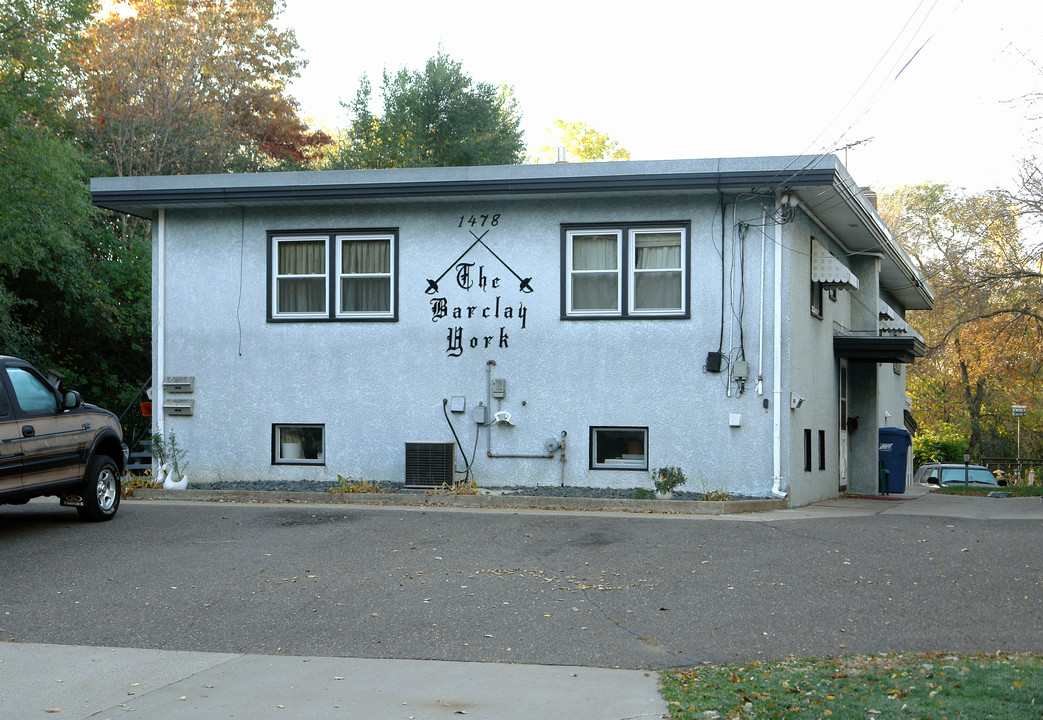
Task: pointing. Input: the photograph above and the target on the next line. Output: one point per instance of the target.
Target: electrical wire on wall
(720, 345)
(468, 474)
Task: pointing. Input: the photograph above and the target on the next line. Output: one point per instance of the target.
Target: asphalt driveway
(514, 586)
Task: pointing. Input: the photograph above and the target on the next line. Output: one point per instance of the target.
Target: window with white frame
(333, 276)
(619, 448)
(298, 445)
(366, 283)
(625, 271)
(300, 282)
(656, 259)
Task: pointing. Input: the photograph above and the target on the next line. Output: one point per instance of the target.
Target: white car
(954, 474)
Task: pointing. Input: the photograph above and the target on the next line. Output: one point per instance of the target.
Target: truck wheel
(101, 493)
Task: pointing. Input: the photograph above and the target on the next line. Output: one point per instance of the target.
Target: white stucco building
(537, 324)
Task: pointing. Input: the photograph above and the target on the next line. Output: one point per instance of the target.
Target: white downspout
(760, 339)
(776, 380)
(161, 314)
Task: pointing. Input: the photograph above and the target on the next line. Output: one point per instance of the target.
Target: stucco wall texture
(376, 385)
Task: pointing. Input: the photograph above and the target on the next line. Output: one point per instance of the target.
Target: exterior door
(842, 404)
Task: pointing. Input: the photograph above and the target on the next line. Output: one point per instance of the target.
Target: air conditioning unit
(430, 464)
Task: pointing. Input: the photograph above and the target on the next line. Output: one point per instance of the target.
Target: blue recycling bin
(894, 457)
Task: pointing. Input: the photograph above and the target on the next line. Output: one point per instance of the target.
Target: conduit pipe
(549, 455)
(776, 382)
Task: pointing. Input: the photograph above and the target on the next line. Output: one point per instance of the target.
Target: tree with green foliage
(41, 173)
(582, 143)
(74, 297)
(438, 117)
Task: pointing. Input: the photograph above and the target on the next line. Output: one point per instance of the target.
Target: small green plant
(642, 494)
(167, 451)
(665, 479)
(351, 485)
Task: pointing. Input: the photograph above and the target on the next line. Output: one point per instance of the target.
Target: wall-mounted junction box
(179, 407)
(499, 388)
(740, 370)
(184, 384)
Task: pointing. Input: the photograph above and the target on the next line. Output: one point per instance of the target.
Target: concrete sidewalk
(916, 500)
(93, 682)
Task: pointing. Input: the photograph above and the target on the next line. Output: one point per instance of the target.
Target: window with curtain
(300, 280)
(658, 271)
(594, 272)
(333, 276)
(626, 271)
(365, 276)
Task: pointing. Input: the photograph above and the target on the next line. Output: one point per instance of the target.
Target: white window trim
(632, 271)
(570, 273)
(277, 456)
(390, 274)
(618, 464)
(626, 249)
(276, 277)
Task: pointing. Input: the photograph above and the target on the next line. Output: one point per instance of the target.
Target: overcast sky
(929, 87)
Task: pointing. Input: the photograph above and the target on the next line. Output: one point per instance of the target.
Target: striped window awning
(827, 270)
(891, 323)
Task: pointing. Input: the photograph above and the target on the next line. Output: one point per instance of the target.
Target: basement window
(618, 448)
(298, 444)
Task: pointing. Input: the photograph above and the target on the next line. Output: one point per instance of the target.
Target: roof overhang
(820, 184)
(871, 348)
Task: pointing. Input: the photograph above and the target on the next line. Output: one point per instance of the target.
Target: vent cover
(429, 464)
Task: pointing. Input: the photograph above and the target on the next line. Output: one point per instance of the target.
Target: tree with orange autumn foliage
(191, 86)
(984, 333)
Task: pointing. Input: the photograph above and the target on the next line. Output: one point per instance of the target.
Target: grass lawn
(938, 686)
(1014, 490)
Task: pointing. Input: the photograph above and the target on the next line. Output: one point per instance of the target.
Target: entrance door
(842, 383)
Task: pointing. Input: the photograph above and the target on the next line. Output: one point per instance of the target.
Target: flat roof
(820, 184)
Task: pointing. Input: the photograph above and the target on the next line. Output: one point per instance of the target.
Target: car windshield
(979, 476)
